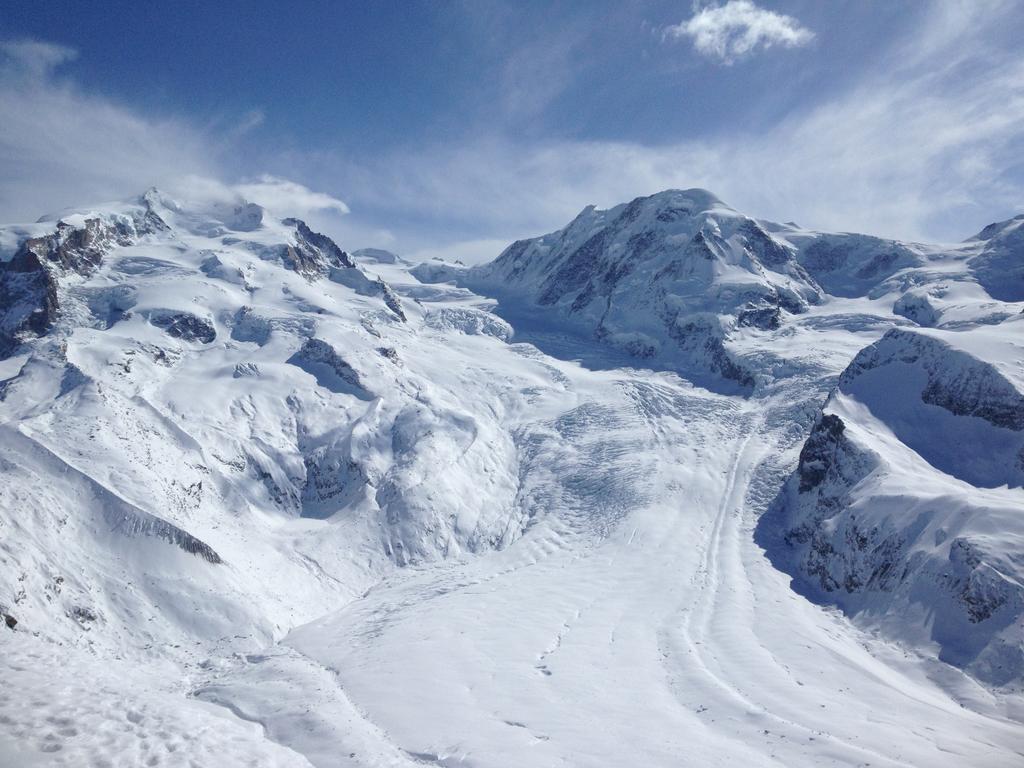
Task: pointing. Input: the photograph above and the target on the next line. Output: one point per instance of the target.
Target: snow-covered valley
(671, 486)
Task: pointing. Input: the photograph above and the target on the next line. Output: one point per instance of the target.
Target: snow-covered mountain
(673, 278)
(195, 376)
(905, 505)
(267, 502)
(665, 277)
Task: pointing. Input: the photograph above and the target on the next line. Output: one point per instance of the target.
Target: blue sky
(452, 128)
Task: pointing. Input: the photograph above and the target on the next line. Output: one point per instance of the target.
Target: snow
(912, 512)
(349, 512)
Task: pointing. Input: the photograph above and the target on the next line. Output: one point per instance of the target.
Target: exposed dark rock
(391, 300)
(29, 281)
(700, 246)
(246, 370)
(768, 251)
(792, 303)
(703, 340)
(673, 213)
(510, 258)
(577, 270)
(28, 300)
(765, 318)
(322, 361)
(185, 326)
(82, 615)
(817, 456)
(313, 254)
(248, 325)
(976, 585)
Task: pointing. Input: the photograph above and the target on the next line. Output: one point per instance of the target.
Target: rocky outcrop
(956, 381)
(702, 339)
(184, 326)
(316, 256)
(979, 588)
(830, 466)
(886, 513)
(323, 362)
(30, 281)
(313, 254)
(29, 299)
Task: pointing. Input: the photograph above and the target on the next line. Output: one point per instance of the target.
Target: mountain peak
(999, 228)
(696, 196)
(672, 205)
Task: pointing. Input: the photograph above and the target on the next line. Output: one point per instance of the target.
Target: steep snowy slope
(205, 384)
(905, 506)
(265, 502)
(998, 266)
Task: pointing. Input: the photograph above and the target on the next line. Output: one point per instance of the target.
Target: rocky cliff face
(903, 500)
(30, 281)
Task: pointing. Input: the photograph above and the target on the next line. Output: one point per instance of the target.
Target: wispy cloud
(288, 197)
(60, 146)
(734, 30)
(34, 59)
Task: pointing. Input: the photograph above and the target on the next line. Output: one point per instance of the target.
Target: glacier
(671, 485)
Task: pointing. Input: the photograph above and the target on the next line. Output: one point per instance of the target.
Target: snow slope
(905, 505)
(268, 503)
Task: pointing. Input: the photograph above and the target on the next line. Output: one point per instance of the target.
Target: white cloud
(281, 197)
(288, 198)
(731, 31)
